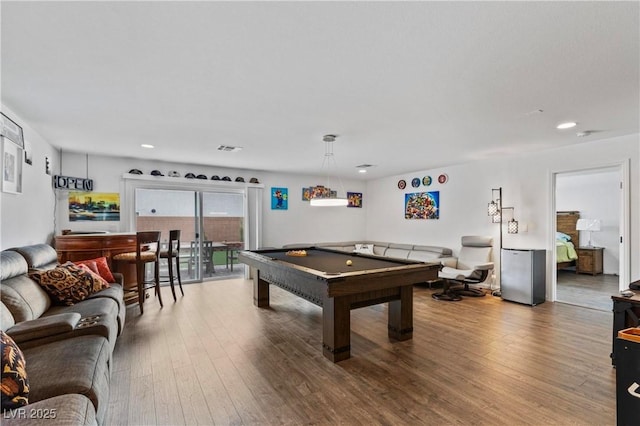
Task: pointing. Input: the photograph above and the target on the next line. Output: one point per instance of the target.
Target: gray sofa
(67, 349)
(419, 253)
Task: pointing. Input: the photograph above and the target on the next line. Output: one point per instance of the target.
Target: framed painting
(306, 193)
(354, 199)
(94, 206)
(11, 166)
(279, 198)
(10, 130)
(320, 191)
(422, 205)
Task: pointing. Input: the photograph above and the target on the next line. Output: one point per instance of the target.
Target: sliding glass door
(211, 224)
(223, 226)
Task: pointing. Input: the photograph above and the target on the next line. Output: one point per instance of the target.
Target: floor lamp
(495, 210)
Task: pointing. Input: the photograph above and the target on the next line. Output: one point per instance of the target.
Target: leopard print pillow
(15, 383)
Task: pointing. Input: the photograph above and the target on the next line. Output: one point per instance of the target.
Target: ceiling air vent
(229, 148)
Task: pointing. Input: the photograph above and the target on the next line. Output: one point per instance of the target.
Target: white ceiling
(407, 86)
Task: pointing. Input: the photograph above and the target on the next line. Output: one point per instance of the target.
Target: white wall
(300, 223)
(596, 195)
(526, 183)
(305, 224)
(28, 218)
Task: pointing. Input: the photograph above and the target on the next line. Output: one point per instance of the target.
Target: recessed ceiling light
(567, 125)
(146, 145)
(362, 171)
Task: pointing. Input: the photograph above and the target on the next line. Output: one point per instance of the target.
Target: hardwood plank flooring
(214, 358)
(589, 291)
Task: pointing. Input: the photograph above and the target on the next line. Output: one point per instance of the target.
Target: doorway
(590, 254)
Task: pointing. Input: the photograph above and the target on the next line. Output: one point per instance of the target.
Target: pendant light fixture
(329, 201)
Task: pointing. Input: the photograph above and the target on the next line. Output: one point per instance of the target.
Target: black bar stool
(173, 252)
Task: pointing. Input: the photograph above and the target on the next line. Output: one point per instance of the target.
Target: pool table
(324, 278)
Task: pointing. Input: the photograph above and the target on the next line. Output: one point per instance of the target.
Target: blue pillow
(562, 236)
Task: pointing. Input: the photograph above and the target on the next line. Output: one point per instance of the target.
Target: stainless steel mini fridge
(523, 275)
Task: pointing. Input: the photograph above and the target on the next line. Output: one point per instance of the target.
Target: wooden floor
(214, 358)
(590, 291)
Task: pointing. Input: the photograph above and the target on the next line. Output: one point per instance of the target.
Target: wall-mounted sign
(66, 182)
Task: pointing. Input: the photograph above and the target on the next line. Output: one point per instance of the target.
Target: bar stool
(147, 251)
(173, 252)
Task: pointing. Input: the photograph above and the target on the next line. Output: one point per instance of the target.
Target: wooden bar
(72, 247)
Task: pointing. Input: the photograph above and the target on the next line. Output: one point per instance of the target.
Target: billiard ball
(349, 263)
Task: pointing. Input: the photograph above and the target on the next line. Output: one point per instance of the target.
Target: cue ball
(349, 263)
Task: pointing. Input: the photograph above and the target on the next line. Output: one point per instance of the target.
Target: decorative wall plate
(443, 178)
(402, 184)
(415, 182)
(426, 181)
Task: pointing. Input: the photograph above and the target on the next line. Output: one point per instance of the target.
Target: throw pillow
(103, 268)
(99, 283)
(15, 383)
(364, 248)
(66, 284)
(91, 264)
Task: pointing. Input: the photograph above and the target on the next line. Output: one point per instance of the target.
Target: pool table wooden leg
(260, 290)
(336, 328)
(401, 315)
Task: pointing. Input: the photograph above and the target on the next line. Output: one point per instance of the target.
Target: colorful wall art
(306, 193)
(318, 191)
(279, 198)
(354, 199)
(94, 206)
(422, 205)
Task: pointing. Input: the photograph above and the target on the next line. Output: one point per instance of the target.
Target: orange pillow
(91, 264)
(102, 266)
(99, 283)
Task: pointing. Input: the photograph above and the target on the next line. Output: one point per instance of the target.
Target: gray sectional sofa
(67, 349)
(421, 253)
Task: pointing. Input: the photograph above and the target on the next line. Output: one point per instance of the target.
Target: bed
(566, 238)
